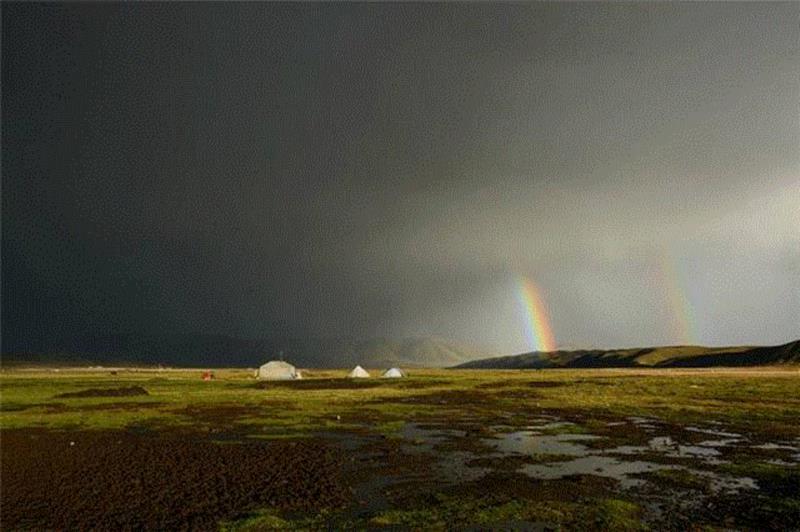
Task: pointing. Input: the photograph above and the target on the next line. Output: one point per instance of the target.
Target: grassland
(455, 413)
(762, 399)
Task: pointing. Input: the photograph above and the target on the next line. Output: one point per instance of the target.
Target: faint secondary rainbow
(681, 308)
(538, 332)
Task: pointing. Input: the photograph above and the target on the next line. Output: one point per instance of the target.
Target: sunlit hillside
(670, 356)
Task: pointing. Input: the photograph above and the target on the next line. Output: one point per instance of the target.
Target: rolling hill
(226, 351)
(671, 356)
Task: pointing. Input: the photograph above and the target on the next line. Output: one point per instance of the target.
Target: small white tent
(277, 370)
(393, 373)
(358, 373)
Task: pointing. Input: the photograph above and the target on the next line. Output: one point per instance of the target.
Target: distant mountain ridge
(671, 356)
(227, 351)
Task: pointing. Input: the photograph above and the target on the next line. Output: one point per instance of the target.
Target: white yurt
(393, 373)
(358, 373)
(277, 370)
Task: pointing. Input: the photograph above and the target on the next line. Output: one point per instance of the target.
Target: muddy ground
(443, 475)
(118, 480)
(432, 452)
(125, 391)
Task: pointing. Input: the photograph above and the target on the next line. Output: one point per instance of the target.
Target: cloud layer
(391, 170)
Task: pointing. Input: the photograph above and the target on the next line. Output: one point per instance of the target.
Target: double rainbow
(538, 332)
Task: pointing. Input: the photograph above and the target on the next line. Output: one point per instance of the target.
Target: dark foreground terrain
(119, 480)
(577, 450)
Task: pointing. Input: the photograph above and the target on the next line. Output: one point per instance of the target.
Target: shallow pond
(535, 443)
(557, 456)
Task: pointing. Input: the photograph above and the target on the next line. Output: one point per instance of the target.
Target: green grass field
(754, 399)
(471, 410)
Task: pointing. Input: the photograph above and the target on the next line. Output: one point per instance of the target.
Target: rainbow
(681, 309)
(538, 332)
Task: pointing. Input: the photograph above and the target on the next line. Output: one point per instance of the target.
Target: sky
(402, 170)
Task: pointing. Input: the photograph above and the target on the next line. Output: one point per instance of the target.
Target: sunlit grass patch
(753, 401)
(262, 520)
(616, 514)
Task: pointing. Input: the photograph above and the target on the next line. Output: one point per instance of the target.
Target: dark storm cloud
(372, 170)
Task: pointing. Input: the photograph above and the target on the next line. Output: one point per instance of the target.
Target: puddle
(719, 443)
(563, 455)
(726, 484)
(534, 443)
(662, 443)
(546, 423)
(450, 466)
(791, 455)
(646, 423)
(712, 432)
(425, 438)
(608, 462)
(695, 451)
(604, 466)
(628, 449)
(638, 420)
(667, 446)
(779, 462)
(776, 447)
(552, 425)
